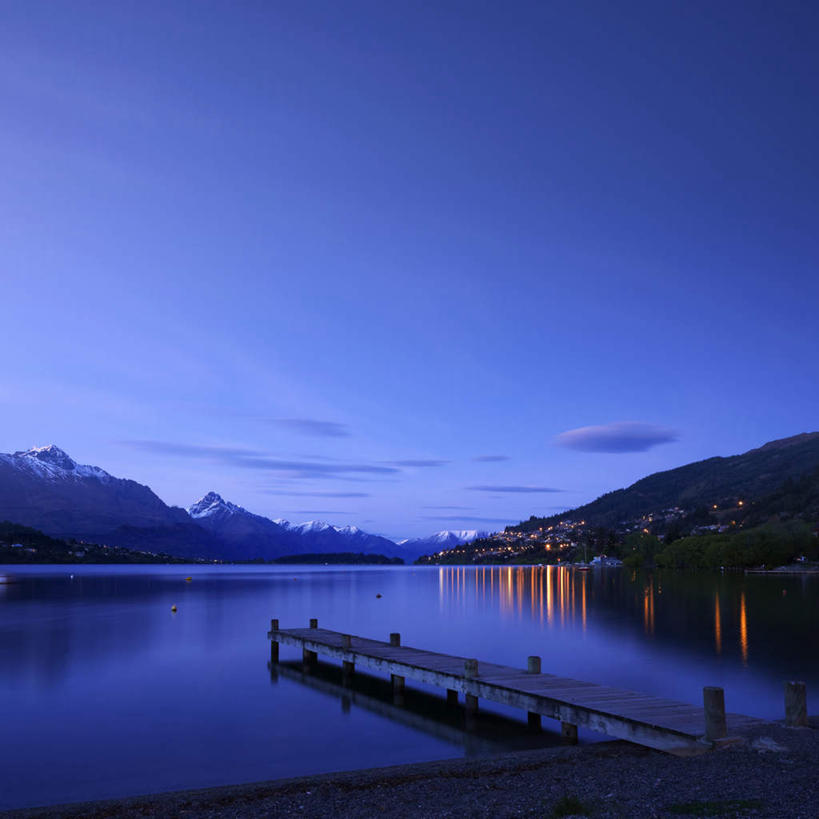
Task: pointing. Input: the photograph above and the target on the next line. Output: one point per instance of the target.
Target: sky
(411, 265)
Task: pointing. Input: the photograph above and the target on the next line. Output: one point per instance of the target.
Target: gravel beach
(772, 773)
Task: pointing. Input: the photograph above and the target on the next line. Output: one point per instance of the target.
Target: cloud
(310, 426)
(622, 436)
(512, 489)
(422, 462)
(290, 493)
(490, 459)
(464, 508)
(315, 512)
(470, 518)
(255, 460)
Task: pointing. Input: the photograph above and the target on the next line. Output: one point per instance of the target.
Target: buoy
(173, 609)
(188, 579)
(379, 594)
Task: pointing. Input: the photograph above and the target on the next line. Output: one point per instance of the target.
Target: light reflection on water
(105, 692)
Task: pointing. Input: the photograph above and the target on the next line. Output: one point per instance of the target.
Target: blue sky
(370, 261)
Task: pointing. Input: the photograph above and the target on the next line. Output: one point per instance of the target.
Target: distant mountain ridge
(446, 539)
(751, 475)
(255, 536)
(44, 488)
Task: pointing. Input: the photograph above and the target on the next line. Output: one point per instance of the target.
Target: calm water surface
(105, 692)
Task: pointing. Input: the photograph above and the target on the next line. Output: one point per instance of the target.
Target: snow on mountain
(214, 504)
(52, 463)
(318, 536)
(447, 539)
(45, 488)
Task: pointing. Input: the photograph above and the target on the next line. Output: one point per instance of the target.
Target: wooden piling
(470, 668)
(533, 667)
(568, 732)
(398, 683)
(713, 700)
(313, 622)
(451, 696)
(395, 638)
(796, 704)
(274, 643)
(471, 702)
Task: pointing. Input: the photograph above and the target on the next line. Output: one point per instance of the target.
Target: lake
(106, 692)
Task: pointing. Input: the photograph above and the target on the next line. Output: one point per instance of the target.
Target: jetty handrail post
(395, 638)
(713, 699)
(533, 718)
(796, 704)
(274, 643)
(313, 622)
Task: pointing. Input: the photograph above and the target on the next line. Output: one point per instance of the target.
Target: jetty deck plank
(656, 722)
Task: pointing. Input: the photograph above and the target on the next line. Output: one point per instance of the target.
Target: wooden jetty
(663, 724)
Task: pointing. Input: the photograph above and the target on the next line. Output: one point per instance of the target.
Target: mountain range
(46, 489)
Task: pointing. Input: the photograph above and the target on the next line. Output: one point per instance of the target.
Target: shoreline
(769, 773)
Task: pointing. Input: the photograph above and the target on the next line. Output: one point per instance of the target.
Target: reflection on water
(533, 587)
(107, 692)
(560, 596)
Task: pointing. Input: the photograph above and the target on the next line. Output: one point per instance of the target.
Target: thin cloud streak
(419, 462)
(294, 494)
(490, 459)
(454, 508)
(512, 489)
(316, 512)
(315, 428)
(622, 436)
(470, 518)
(256, 460)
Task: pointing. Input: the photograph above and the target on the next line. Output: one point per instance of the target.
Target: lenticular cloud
(623, 436)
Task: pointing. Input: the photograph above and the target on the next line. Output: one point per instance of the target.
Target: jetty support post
(713, 699)
(398, 681)
(796, 704)
(347, 666)
(470, 672)
(451, 697)
(534, 719)
(568, 731)
(274, 643)
(310, 658)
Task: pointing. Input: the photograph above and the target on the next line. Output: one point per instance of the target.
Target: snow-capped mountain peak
(53, 463)
(446, 538)
(212, 504)
(50, 454)
(312, 526)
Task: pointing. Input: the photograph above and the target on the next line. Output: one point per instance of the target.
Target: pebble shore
(772, 773)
